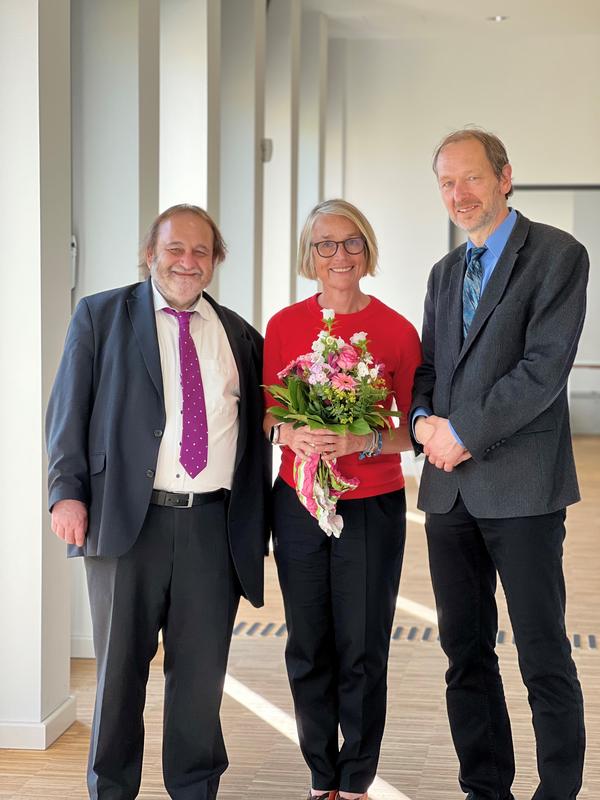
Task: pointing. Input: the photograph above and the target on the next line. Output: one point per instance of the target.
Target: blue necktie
(472, 286)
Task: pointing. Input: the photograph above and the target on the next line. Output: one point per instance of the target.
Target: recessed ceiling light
(497, 18)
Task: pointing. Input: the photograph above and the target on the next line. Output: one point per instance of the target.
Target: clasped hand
(439, 444)
(305, 442)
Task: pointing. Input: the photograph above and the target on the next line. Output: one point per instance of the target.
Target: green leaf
(278, 412)
(359, 427)
(337, 428)
(302, 396)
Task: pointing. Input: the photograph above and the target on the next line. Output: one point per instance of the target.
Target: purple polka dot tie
(194, 436)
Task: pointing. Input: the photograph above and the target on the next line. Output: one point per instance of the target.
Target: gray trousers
(178, 577)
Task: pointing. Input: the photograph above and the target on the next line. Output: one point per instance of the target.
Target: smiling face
(472, 192)
(343, 271)
(182, 264)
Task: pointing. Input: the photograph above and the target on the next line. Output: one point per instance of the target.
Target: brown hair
(493, 146)
(342, 208)
(149, 242)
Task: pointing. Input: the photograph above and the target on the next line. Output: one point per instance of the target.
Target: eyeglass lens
(328, 249)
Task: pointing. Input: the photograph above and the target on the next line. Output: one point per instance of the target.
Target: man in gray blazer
(159, 475)
(503, 316)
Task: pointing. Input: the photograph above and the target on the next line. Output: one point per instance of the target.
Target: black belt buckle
(180, 500)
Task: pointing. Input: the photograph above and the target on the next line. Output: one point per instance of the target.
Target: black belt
(185, 499)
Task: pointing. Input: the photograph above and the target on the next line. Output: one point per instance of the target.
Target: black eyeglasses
(328, 249)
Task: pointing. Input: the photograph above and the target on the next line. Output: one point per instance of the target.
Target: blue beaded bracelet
(375, 448)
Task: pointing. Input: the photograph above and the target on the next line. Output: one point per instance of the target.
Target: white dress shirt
(221, 384)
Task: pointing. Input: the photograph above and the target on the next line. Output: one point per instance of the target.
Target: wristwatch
(274, 433)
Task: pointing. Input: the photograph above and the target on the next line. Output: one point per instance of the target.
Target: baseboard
(82, 647)
(38, 735)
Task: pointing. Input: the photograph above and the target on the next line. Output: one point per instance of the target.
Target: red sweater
(392, 340)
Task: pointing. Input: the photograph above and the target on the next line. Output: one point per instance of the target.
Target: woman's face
(343, 270)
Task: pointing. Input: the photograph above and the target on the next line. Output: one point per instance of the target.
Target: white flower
(340, 342)
(318, 346)
(328, 313)
(330, 340)
(368, 358)
(362, 370)
(318, 377)
(374, 373)
(359, 337)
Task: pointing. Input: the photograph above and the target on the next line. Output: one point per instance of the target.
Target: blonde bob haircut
(341, 208)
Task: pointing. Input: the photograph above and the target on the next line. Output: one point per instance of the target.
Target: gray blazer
(504, 389)
(107, 414)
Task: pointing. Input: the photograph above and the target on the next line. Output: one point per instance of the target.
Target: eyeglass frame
(337, 245)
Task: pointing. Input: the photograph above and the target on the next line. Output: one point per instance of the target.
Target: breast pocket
(220, 384)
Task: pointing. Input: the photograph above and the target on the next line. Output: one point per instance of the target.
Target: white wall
(540, 95)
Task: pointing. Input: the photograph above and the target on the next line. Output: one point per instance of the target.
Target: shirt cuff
(455, 434)
(418, 412)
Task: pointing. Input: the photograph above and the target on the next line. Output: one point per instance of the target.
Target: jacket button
(158, 433)
(149, 473)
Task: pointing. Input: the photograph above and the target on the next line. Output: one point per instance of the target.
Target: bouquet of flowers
(339, 387)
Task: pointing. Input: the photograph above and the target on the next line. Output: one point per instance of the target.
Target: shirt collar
(200, 306)
(496, 241)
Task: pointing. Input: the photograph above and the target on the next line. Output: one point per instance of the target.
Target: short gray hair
(149, 242)
(493, 146)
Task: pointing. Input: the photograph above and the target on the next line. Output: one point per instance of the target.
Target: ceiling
(399, 19)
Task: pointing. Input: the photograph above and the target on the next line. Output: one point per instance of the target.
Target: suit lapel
(497, 284)
(241, 346)
(140, 306)
(455, 305)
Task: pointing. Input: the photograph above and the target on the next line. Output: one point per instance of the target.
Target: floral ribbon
(319, 484)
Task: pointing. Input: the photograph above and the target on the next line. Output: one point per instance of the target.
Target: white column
(115, 49)
(281, 173)
(190, 37)
(311, 138)
(243, 30)
(35, 706)
(148, 109)
(335, 129)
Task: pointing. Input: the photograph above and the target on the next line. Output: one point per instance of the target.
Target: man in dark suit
(502, 320)
(159, 476)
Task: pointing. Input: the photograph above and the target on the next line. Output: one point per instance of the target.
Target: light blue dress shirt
(495, 244)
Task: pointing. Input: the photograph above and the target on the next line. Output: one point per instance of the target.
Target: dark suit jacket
(504, 388)
(106, 417)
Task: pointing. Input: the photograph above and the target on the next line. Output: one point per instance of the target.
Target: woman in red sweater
(340, 594)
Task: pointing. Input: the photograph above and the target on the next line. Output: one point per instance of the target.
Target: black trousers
(178, 577)
(339, 597)
(465, 555)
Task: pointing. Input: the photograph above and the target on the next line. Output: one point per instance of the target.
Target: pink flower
(304, 362)
(347, 357)
(341, 381)
(286, 370)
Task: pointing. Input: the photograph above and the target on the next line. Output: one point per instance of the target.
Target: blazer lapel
(241, 345)
(454, 310)
(498, 282)
(141, 313)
